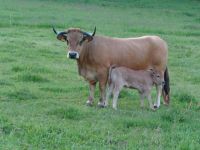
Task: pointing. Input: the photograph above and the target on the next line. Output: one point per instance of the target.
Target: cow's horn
(60, 33)
(90, 34)
(94, 31)
(54, 30)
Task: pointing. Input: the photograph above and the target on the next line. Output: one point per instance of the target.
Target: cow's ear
(62, 37)
(89, 38)
(86, 38)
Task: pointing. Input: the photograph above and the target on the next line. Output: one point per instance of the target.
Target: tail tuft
(166, 87)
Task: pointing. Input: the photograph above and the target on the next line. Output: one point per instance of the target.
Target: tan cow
(95, 54)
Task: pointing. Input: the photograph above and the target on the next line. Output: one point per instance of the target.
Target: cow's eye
(83, 39)
(66, 40)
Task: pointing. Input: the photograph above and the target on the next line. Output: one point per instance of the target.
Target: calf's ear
(151, 70)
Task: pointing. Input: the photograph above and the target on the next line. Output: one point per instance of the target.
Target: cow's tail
(166, 87)
(109, 73)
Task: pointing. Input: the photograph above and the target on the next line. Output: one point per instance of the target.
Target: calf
(141, 80)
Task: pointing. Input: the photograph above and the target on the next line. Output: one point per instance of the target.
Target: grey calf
(142, 80)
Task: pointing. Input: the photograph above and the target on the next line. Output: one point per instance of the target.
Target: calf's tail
(166, 87)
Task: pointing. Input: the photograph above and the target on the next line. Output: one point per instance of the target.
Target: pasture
(42, 97)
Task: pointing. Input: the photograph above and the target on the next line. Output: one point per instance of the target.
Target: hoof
(115, 108)
(166, 99)
(155, 106)
(89, 103)
(101, 105)
(166, 104)
(106, 105)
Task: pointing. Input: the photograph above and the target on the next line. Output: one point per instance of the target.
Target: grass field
(42, 97)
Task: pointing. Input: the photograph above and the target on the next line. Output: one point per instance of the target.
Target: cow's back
(136, 53)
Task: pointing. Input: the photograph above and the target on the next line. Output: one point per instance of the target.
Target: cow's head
(156, 77)
(75, 39)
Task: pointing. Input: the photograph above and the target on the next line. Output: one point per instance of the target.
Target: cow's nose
(73, 55)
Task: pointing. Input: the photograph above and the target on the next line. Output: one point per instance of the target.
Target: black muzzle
(73, 55)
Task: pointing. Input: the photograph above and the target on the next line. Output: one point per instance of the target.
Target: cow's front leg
(159, 92)
(102, 88)
(92, 85)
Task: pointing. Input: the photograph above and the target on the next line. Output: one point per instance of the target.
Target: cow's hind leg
(92, 85)
(159, 92)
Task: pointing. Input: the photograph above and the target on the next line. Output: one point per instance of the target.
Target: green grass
(42, 97)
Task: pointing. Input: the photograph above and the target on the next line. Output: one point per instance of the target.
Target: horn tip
(54, 30)
(94, 31)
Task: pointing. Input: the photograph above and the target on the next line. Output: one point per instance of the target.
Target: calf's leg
(92, 85)
(159, 92)
(142, 100)
(116, 92)
(109, 91)
(115, 98)
(150, 101)
(102, 88)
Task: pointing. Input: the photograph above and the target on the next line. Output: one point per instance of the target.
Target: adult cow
(95, 54)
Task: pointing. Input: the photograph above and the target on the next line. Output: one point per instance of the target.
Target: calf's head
(75, 39)
(156, 77)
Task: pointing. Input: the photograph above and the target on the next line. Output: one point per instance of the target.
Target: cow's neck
(86, 54)
(85, 59)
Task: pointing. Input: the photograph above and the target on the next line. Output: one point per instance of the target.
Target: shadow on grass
(22, 94)
(173, 115)
(6, 127)
(184, 97)
(70, 112)
(130, 123)
(3, 82)
(33, 69)
(28, 77)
